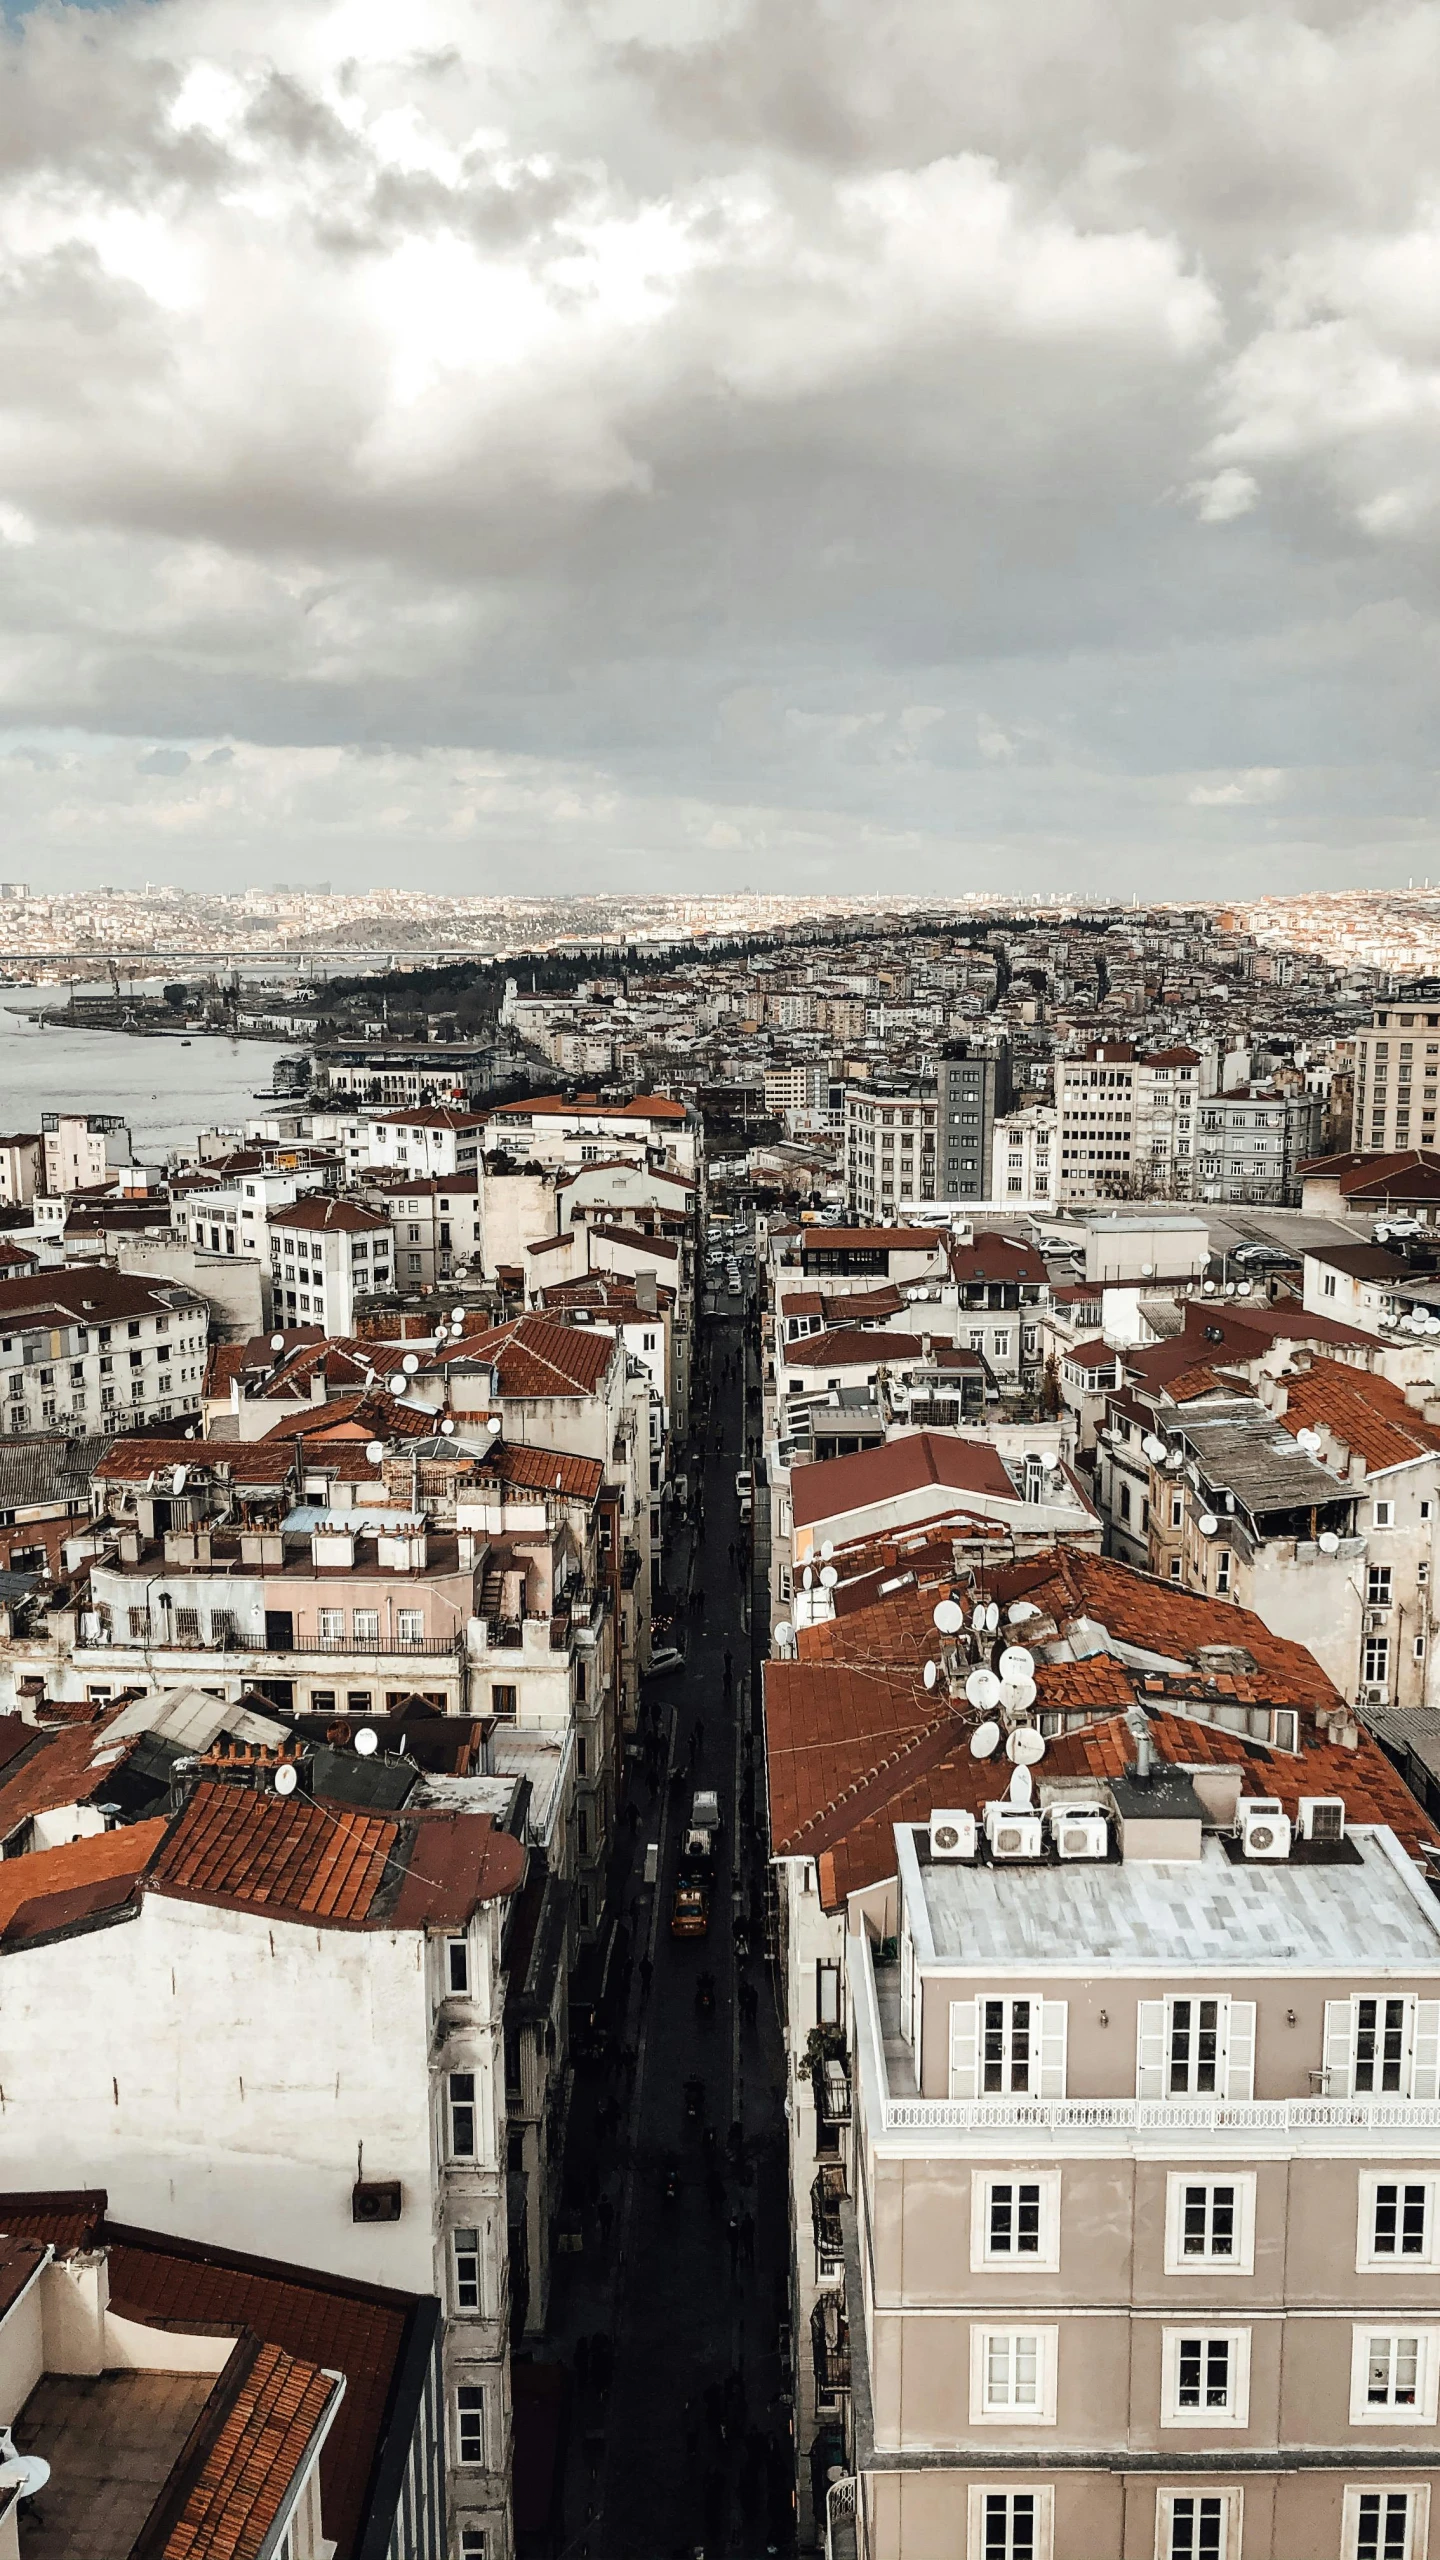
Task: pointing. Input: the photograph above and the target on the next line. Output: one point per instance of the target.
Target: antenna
(1016, 1662)
(367, 1742)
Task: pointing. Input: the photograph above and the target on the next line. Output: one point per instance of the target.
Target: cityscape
(719, 1281)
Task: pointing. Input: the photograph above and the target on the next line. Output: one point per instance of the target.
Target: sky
(645, 444)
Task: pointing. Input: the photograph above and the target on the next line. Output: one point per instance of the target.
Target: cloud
(671, 411)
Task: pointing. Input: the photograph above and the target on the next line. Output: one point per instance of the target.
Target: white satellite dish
(828, 1577)
(374, 1451)
(983, 1690)
(1025, 1746)
(977, 1614)
(1174, 1457)
(930, 1675)
(1154, 1448)
(827, 1550)
(1243, 1288)
(447, 1426)
(1208, 1287)
(992, 1616)
(985, 1741)
(286, 1781)
(948, 1617)
(1309, 1439)
(1328, 1543)
(1020, 1610)
(277, 1341)
(492, 1422)
(367, 1742)
(807, 1579)
(1209, 1524)
(410, 1364)
(1021, 1789)
(1016, 1662)
(1017, 1696)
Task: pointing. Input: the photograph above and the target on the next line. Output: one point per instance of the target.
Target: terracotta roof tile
(252, 2462)
(115, 1860)
(1360, 1408)
(536, 1356)
(831, 1487)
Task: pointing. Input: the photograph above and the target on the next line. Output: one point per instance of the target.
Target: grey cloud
(169, 760)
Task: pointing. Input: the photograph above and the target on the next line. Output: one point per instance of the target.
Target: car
(667, 1657)
(689, 1912)
(744, 1483)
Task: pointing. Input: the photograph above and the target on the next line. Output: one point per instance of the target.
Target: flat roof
(1150, 1916)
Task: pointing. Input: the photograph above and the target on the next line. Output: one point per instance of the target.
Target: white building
(93, 1350)
(1026, 1156)
(83, 1148)
(1127, 1123)
(324, 1254)
(443, 1140)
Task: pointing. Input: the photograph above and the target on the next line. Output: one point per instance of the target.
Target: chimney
(317, 1386)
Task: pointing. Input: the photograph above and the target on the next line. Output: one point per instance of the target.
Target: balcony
(832, 2091)
(1239, 2116)
(827, 2193)
(830, 2345)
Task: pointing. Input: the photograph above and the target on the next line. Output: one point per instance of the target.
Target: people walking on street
(732, 2234)
(647, 1975)
(729, 1673)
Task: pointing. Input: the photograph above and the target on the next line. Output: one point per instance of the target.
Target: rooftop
(1155, 1915)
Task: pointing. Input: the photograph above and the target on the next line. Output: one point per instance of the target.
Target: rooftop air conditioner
(1262, 1827)
(952, 1835)
(1079, 1831)
(1322, 1817)
(1012, 1834)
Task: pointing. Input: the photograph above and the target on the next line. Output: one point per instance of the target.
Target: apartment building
(442, 1140)
(972, 1088)
(891, 1156)
(22, 1161)
(89, 1350)
(1013, 2258)
(1251, 1143)
(549, 1130)
(1025, 1155)
(83, 1149)
(1128, 1122)
(264, 2101)
(325, 1254)
(437, 1226)
(1397, 1069)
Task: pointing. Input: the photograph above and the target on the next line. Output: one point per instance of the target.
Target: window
(1190, 2048)
(1204, 2526)
(1012, 2376)
(1177, 1510)
(827, 1995)
(1210, 2224)
(1377, 1586)
(1375, 1671)
(457, 1964)
(1015, 2220)
(504, 1699)
(470, 2425)
(1385, 2523)
(1382, 2048)
(332, 1626)
(465, 2269)
(1223, 1562)
(357, 1702)
(365, 1626)
(1204, 2377)
(1392, 2376)
(1009, 2048)
(1009, 2524)
(474, 2543)
(1397, 2223)
(1382, 1515)
(461, 2098)
(410, 1626)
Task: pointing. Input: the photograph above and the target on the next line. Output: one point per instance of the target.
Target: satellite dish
(1022, 1788)
(367, 1742)
(447, 1426)
(277, 1341)
(1154, 1449)
(930, 1675)
(1017, 1696)
(374, 1451)
(410, 1364)
(1020, 1610)
(1230, 1287)
(1209, 1523)
(977, 1614)
(1242, 1288)
(1328, 1543)
(807, 1578)
(457, 1317)
(985, 1741)
(992, 1616)
(983, 1690)
(1025, 1746)
(1147, 1270)
(1208, 1286)
(827, 1550)
(1174, 1457)
(1016, 1662)
(286, 1781)
(948, 1618)
(1309, 1439)
(492, 1422)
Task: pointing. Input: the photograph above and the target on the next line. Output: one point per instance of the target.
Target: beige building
(1397, 1068)
(1147, 2148)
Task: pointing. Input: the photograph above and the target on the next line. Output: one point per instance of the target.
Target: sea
(164, 1090)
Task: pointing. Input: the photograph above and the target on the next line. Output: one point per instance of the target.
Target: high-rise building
(1397, 1069)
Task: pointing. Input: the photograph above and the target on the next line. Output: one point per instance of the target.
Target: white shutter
(1339, 2049)
(1150, 2050)
(1054, 2015)
(1425, 2062)
(1239, 2076)
(964, 2049)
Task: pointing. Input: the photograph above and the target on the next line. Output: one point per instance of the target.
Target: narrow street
(679, 2433)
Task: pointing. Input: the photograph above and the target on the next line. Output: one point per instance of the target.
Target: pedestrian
(632, 1820)
(628, 2064)
(732, 2234)
(647, 1976)
(602, 2362)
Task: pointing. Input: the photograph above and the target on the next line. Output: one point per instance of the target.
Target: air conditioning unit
(1375, 1620)
(1011, 1832)
(952, 1835)
(1322, 1817)
(1262, 1827)
(1373, 1697)
(375, 2200)
(1079, 1831)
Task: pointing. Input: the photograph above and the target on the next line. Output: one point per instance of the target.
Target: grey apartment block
(971, 1088)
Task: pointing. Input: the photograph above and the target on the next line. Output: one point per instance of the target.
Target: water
(164, 1091)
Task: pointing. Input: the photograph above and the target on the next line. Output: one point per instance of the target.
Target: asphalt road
(680, 2440)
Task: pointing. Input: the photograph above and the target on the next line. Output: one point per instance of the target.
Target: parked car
(667, 1657)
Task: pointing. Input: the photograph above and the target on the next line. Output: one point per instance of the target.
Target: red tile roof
(1361, 1409)
(320, 1213)
(51, 1886)
(989, 1256)
(849, 1348)
(834, 1486)
(548, 1470)
(244, 1461)
(56, 1768)
(643, 1106)
(535, 1356)
(252, 2463)
(256, 1851)
(1412, 1173)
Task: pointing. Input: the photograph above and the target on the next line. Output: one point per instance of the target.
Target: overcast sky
(657, 443)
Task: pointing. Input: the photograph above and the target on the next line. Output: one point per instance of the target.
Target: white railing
(1161, 2115)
